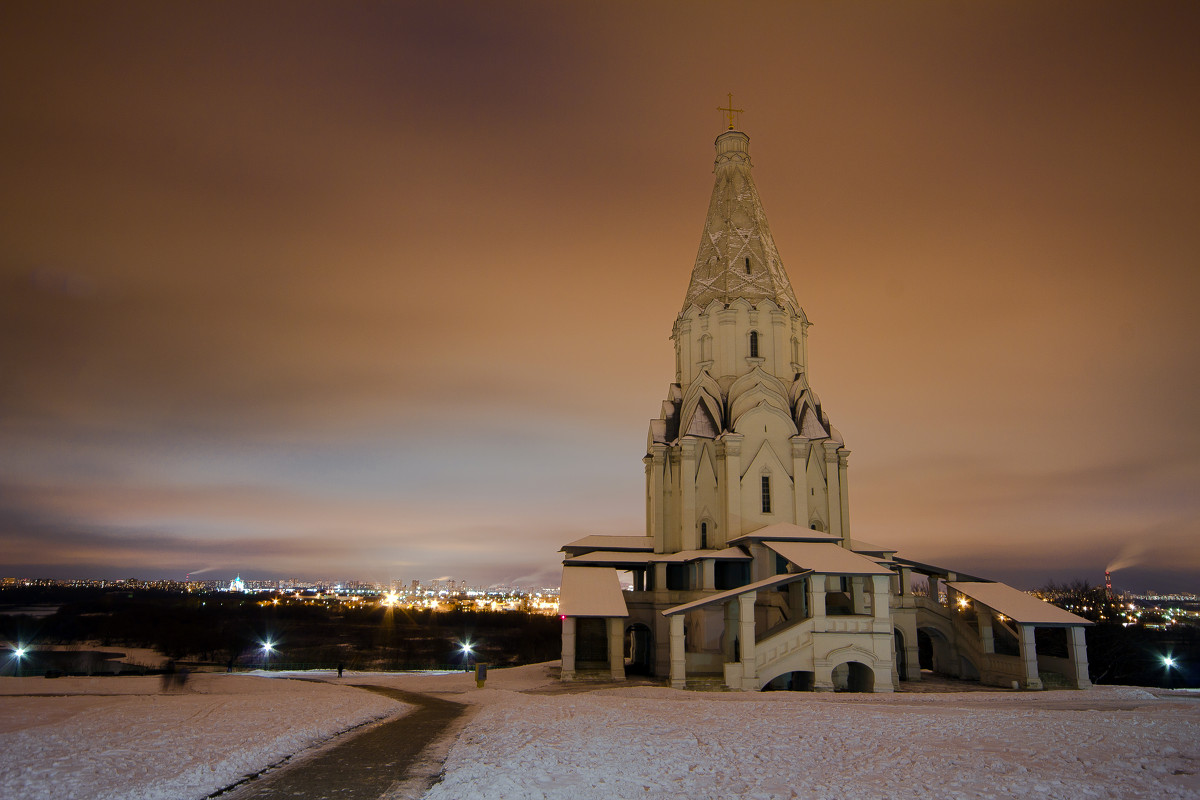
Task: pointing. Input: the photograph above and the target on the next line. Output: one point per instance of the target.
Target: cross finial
(731, 111)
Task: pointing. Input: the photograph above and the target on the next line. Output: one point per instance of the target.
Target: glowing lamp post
(267, 648)
(18, 653)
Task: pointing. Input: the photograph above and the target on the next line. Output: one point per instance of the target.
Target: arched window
(766, 494)
(706, 348)
(703, 535)
(754, 344)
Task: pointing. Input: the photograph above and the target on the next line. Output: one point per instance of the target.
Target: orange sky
(383, 290)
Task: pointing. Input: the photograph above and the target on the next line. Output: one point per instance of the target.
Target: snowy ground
(121, 737)
(612, 743)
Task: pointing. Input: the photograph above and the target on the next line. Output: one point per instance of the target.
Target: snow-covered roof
(596, 542)
(591, 592)
(613, 557)
(786, 532)
(728, 554)
(859, 546)
(1018, 605)
(765, 583)
(827, 558)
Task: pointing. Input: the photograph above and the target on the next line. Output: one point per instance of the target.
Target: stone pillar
(730, 632)
(687, 494)
(780, 353)
(616, 648)
(800, 447)
(834, 486)
(858, 594)
(984, 617)
(654, 496)
(678, 656)
(568, 648)
(726, 342)
(685, 360)
(905, 581)
(1029, 656)
(660, 576)
(1077, 649)
(844, 493)
(816, 595)
(733, 484)
(746, 636)
(879, 600)
(708, 574)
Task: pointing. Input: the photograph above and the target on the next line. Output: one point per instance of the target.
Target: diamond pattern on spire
(737, 256)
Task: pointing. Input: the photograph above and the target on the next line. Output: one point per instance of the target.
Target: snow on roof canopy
(827, 558)
(737, 255)
(720, 597)
(1015, 604)
(591, 592)
(787, 532)
(614, 557)
(597, 542)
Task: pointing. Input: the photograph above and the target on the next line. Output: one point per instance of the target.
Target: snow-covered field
(625, 743)
(1110, 742)
(121, 737)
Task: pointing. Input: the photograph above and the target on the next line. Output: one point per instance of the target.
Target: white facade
(746, 492)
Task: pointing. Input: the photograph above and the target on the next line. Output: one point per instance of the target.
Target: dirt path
(393, 759)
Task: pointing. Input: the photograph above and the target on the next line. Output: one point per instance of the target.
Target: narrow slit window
(766, 494)
(754, 344)
(703, 535)
(747, 266)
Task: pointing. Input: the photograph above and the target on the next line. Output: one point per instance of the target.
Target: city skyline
(386, 290)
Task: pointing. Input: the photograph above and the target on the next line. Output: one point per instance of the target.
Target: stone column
(655, 463)
(834, 486)
(844, 494)
(816, 595)
(1029, 656)
(678, 656)
(687, 494)
(1077, 648)
(733, 484)
(746, 636)
(984, 617)
(708, 574)
(660, 576)
(568, 648)
(616, 648)
(800, 447)
(858, 594)
(905, 581)
(879, 600)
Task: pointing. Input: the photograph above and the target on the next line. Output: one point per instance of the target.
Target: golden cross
(730, 111)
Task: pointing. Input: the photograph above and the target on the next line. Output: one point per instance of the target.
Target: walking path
(390, 760)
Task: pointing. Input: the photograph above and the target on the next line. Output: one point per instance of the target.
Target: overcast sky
(384, 290)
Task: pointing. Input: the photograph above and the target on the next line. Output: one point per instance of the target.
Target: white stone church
(748, 575)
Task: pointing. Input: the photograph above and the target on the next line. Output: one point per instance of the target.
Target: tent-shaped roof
(591, 592)
(1017, 605)
(827, 558)
(737, 257)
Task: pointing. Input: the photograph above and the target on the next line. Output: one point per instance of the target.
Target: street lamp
(19, 654)
(267, 648)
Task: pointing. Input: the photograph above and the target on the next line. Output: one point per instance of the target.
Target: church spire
(737, 256)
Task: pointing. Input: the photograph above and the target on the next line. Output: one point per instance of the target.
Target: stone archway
(853, 676)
